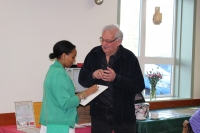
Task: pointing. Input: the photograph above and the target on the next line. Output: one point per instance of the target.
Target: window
(153, 44)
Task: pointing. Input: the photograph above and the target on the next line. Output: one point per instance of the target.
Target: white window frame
(154, 60)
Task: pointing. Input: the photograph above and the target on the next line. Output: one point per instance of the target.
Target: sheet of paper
(91, 97)
(79, 126)
(86, 124)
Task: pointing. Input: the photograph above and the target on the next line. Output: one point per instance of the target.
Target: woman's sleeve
(61, 89)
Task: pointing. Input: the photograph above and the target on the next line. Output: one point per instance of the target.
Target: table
(170, 121)
(173, 125)
(13, 129)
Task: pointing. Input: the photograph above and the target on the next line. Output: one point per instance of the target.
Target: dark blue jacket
(128, 82)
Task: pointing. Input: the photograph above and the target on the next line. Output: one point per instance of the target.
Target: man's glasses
(106, 41)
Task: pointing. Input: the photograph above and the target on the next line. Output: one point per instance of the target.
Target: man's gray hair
(111, 27)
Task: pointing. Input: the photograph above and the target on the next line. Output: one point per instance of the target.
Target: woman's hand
(86, 93)
(90, 90)
(185, 127)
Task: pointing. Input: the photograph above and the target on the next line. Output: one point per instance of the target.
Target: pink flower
(154, 77)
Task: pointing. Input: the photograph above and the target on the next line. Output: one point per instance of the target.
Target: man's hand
(108, 75)
(98, 74)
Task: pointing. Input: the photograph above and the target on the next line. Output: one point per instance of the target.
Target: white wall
(196, 91)
(28, 31)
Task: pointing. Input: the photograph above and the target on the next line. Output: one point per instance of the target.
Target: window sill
(171, 102)
(161, 99)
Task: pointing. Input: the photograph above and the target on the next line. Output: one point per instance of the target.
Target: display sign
(24, 114)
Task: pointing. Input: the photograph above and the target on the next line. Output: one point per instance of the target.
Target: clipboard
(91, 97)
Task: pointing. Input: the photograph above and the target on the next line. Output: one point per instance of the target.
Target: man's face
(109, 43)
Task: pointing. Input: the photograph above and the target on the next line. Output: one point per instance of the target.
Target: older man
(118, 68)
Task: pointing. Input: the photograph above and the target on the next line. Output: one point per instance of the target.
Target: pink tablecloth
(9, 129)
(13, 129)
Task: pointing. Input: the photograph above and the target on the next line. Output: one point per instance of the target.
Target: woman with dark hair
(59, 100)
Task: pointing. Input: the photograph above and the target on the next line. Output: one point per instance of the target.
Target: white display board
(24, 114)
(74, 73)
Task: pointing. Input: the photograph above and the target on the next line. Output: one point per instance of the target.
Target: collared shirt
(107, 96)
(195, 121)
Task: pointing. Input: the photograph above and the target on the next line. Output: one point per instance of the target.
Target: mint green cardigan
(59, 100)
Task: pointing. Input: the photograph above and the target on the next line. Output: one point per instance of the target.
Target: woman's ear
(66, 56)
(63, 56)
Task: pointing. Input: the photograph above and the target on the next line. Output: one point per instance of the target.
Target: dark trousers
(190, 128)
(103, 122)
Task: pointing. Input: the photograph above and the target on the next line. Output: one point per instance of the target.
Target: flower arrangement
(153, 77)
